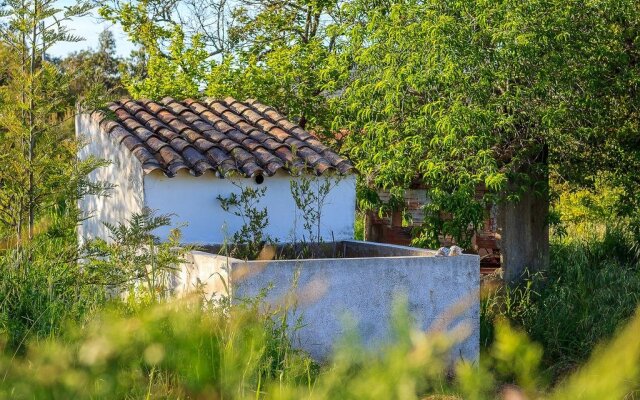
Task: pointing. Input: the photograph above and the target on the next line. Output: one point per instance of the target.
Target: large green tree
(168, 61)
(465, 94)
(454, 95)
(283, 55)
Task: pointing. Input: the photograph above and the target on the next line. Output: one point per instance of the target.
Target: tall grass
(190, 350)
(42, 285)
(591, 289)
(61, 337)
(166, 351)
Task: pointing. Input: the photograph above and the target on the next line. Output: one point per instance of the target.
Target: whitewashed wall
(124, 171)
(193, 201)
(440, 293)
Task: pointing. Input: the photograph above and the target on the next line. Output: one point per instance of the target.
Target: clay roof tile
(227, 136)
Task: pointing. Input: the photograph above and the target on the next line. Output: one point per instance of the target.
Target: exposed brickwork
(389, 227)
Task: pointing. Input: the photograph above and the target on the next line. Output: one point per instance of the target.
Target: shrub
(50, 280)
(135, 259)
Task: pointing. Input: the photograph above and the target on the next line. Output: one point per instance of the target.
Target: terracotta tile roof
(224, 136)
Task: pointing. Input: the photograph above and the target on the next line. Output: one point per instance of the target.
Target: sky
(89, 27)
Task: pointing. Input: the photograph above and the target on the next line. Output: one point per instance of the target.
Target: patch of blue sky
(89, 28)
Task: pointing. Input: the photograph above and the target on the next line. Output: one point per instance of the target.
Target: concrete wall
(204, 272)
(330, 292)
(193, 201)
(359, 249)
(523, 235)
(124, 171)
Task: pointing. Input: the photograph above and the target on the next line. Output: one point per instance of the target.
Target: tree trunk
(371, 231)
(523, 236)
(32, 138)
(367, 227)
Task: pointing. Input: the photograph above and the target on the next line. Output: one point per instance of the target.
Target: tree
(475, 93)
(154, 22)
(282, 55)
(178, 71)
(94, 67)
(38, 171)
(276, 51)
(457, 95)
(168, 62)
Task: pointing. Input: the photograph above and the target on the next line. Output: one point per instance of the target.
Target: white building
(179, 157)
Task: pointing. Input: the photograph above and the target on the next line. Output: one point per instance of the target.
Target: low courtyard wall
(359, 289)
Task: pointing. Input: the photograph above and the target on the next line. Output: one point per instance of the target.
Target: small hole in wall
(259, 179)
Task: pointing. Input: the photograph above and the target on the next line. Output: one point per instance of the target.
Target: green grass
(166, 351)
(61, 337)
(193, 350)
(41, 288)
(591, 289)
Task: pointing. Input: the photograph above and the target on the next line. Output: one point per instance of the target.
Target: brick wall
(388, 228)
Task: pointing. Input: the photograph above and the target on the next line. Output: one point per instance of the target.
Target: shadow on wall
(124, 172)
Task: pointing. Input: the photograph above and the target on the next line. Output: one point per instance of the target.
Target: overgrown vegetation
(134, 260)
(42, 288)
(310, 196)
(52, 281)
(182, 350)
(453, 94)
(42, 284)
(248, 241)
(591, 289)
(146, 346)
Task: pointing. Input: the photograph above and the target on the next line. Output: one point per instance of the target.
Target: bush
(49, 280)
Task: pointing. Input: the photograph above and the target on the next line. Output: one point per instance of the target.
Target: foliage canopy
(461, 95)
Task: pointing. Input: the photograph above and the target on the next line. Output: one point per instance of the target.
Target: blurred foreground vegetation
(568, 334)
(196, 350)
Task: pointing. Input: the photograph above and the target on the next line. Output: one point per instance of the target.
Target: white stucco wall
(193, 201)
(124, 172)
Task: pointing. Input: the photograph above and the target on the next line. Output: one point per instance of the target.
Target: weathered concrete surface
(357, 249)
(523, 235)
(203, 272)
(330, 292)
